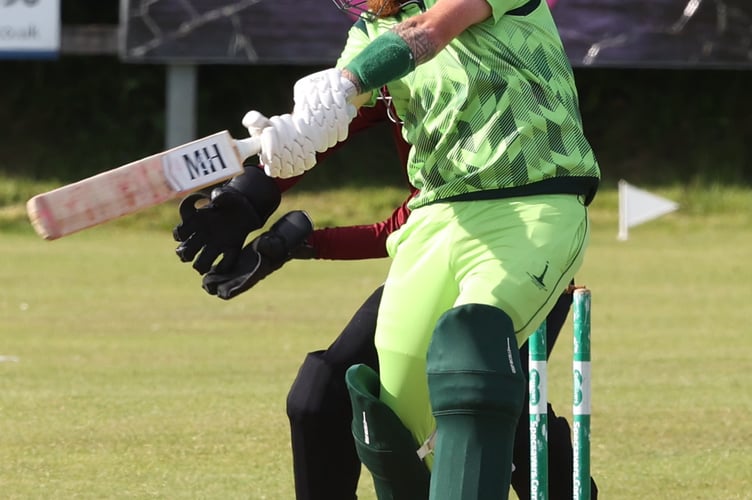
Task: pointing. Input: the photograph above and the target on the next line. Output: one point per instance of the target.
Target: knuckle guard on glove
(287, 147)
(322, 100)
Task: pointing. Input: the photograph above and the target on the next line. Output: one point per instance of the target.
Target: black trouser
(324, 459)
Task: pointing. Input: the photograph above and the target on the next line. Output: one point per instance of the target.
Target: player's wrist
(354, 80)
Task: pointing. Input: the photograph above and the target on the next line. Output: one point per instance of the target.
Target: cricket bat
(138, 185)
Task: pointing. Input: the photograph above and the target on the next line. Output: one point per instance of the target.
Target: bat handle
(248, 147)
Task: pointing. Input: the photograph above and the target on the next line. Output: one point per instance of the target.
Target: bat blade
(138, 185)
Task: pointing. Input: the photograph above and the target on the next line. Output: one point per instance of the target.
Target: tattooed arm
(427, 33)
(413, 42)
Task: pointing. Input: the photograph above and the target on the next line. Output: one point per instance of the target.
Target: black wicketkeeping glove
(285, 240)
(219, 224)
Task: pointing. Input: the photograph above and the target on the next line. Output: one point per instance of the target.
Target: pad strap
(427, 446)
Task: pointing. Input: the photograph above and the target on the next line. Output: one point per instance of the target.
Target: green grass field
(121, 378)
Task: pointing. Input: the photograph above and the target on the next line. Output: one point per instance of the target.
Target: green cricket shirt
(495, 114)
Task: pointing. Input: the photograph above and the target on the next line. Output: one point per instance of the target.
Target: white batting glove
(255, 122)
(286, 151)
(322, 102)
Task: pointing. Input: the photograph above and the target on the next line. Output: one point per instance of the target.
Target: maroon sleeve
(359, 242)
(363, 241)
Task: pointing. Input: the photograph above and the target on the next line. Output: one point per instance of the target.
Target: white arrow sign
(637, 206)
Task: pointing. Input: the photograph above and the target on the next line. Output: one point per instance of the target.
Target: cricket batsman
(497, 231)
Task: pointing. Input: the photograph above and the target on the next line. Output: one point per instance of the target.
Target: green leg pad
(384, 444)
(477, 389)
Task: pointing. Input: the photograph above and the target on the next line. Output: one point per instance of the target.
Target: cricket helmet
(372, 9)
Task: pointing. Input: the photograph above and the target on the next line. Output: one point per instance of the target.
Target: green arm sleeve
(384, 60)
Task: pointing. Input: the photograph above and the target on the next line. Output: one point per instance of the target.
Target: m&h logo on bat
(204, 161)
(201, 163)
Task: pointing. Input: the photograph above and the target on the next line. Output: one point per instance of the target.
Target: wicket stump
(538, 391)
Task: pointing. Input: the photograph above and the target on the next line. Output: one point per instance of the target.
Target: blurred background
(87, 86)
(121, 378)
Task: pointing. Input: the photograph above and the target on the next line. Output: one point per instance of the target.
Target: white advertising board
(29, 29)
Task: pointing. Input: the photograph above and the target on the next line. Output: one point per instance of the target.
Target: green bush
(67, 119)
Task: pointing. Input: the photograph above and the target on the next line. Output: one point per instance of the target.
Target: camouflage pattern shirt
(494, 114)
